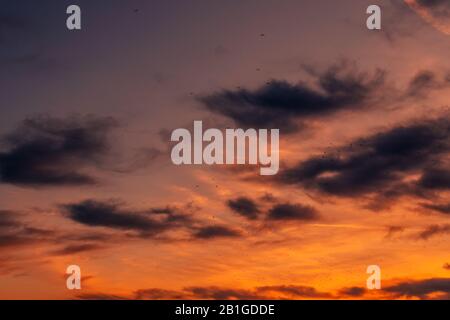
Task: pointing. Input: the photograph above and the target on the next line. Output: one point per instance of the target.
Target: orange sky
(151, 73)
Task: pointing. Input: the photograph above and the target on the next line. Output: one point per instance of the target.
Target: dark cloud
(14, 232)
(438, 9)
(268, 197)
(163, 210)
(76, 248)
(112, 215)
(93, 213)
(422, 83)
(435, 178)
(100, 296)
(12, 240)
(353, 291)
(446, 266)
(289, 211)
(159, 294)
(432, 3)
(149, 223)
(217, 293)
(434, 230)
(442, 208)
(46, 151)
(392, 230)
(7, 219)
(165, 223)
(245, 207)
(426, 81)
(380, 163)
(213, 232)
(421, 288)
(278, 104)
(271, 209)
(295, 291)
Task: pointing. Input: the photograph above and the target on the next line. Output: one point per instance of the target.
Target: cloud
(435, 12)
(217, 293)
(245, 207)
(289, 211)
(446, 266)
(76, 248)
(268, 197)
(434, 230)
(149, 223)
(159, 294)
(112, 215)
(353, 291)
(380, 164)
(212, 232)
(295, 291)
(432, 3)
(100, 296)
(47, 151)
(14, 232)
(223, 293)
(272, 209)
(442, 208)
(278, 104)
(440, 8)
(7, 219)
(159, 222)
(142, 158)
(12, 240)
(392, 230)
(424, 82)
(421, 288)
(434, 288)
(435, 178)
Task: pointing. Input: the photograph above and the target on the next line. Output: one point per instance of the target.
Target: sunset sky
(86, 176)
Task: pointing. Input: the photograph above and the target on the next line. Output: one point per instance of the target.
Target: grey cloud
(434, 230)
(278, 104)
(421, 288)
(287, 211)
(245, 207)
(212, 232)
(377, 164)
(47, 151)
